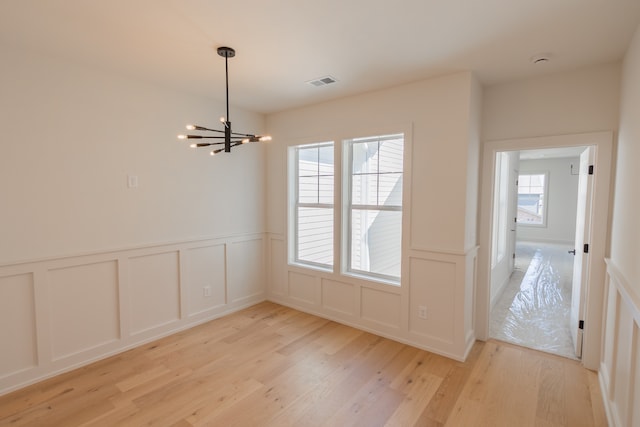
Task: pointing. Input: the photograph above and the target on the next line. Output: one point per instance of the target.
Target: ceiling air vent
(322, 81)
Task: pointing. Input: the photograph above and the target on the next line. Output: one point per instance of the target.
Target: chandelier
(225, 137)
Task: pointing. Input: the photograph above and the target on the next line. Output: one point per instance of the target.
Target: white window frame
(347, 207)
(294, 204)
(545, 203)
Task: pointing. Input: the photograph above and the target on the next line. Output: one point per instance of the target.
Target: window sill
(370, 278)
(317, 267)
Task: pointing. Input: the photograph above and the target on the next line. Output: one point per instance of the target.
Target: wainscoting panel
(277, 263)
(620, 366)
(17, 312)
(205, 278)
(381, 307)
(442, 282)
(433, 286)
(246, 270)
(303, 288)
(84, 309)
(339, 297)
(58, 314)
(154, 290)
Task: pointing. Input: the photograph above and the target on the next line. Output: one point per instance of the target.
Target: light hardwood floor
(270, 365)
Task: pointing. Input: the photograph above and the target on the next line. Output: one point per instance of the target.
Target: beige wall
(89, 267)
(584, 100)
(440, 118)
(620, 368)
(473, 164)
(435, 108)
(71, 134)
(625, 233)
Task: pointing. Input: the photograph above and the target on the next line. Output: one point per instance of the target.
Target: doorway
(532, 290)
(594, 267)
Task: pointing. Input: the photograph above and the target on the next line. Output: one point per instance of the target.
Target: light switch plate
(132, 181)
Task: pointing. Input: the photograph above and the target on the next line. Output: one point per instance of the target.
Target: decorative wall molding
(69, 311)
(619, 372)
(441, 282)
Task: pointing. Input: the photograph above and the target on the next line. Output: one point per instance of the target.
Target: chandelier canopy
(225, 137)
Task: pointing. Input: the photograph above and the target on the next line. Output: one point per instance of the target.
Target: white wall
(561, 202)
(584, 100)
(89, 267)
(620, 369)
(440, 118)
(625, 233)
(71, 134)
(473, 164)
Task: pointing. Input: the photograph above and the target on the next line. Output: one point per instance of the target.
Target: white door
(580, 263)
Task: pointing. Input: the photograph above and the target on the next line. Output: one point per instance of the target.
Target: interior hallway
(534, 309)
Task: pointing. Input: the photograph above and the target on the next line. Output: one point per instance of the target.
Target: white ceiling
(281, 44)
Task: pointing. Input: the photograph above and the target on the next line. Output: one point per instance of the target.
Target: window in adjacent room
(312, 207)
(532, 190)
(372, 235)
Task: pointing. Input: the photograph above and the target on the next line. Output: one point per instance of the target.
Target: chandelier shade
(226, 137)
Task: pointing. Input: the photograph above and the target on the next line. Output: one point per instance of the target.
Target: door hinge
(586, 248)
(514, 256)
(590, 169)
(581, 324)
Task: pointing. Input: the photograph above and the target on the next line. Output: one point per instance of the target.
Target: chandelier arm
(203, 137)
(249, 135)
(208, 144)
(202, 128)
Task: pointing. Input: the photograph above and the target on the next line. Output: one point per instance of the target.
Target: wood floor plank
(597, 405)
(273, 366)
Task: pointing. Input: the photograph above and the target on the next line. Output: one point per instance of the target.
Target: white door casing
(581, 262)
(593, 310)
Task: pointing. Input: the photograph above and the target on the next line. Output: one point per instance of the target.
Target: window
(373, 206)
(532, 189)
(313, 204)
